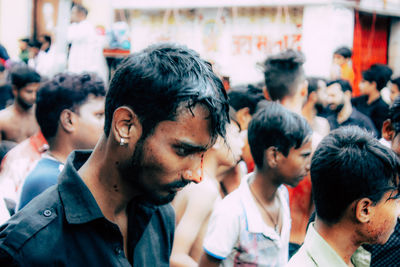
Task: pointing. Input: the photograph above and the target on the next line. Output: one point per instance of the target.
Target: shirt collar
(254, 221)
(79, 203)
(324, 255)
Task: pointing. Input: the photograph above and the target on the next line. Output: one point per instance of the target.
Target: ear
(364, 210)
(304, 89)
(387, 130)
(266, 94)
(126, 125)
(68, 120)
(243, 116)
(14, 91)
(271, 157)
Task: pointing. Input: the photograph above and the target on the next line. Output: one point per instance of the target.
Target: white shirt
(237, 233)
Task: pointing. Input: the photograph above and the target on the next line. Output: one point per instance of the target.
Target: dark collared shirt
(64, 226)
(356, 118)
(377, 111)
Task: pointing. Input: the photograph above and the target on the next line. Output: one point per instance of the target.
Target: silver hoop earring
(122, 142)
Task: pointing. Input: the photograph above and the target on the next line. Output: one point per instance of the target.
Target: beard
(337, 109)
(149, 195)
(23, 104)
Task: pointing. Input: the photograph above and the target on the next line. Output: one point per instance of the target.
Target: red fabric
(300, 209)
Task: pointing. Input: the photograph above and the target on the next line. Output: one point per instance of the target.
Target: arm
(209, 261)
(199, 206)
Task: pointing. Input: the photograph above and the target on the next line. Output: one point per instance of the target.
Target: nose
(196, 174)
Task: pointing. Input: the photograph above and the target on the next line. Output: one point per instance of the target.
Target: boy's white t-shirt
(237, 233)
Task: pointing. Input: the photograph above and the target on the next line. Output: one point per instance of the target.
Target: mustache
(177, 184)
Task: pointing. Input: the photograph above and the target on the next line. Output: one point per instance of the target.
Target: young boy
(355, 189)
(252, 224)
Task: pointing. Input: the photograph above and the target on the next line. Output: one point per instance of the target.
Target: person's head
(45, 40)
(165, 107)
(25, 83)
(391, 126)
(280, 141)
(339, 94)
(244, 100)
(285, 80)
(78, 13)
(317, 91)
(342, 55)
(375, 79)
(23, 44)
(355, 178)
(72, 105)
(394, 89)
(34, 48)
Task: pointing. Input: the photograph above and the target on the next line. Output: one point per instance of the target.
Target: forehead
(334, 88)
(31, 86)
(93, 103)
(190, 126)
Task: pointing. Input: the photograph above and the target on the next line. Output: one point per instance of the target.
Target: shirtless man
(17, 122)
(194, 204)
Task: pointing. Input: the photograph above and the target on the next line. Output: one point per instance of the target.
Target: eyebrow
(192, 147)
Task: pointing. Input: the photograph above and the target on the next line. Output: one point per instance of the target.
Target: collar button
(47, 213)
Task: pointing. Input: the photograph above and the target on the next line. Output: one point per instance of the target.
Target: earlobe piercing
(122, 142)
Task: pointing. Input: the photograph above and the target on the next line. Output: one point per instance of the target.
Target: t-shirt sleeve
(223, 231)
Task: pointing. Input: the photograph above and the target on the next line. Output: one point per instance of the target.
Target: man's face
(26, 96)
(366, 87)
(394, 92)
(76, 15)
(338, 59)
(170, 158)
(322, 94)
(90, 123)
(296, 165)
(336, 97)
(229, 152)
(384, 220)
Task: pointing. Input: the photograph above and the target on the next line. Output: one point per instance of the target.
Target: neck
(291, 104)
(263, 186)
(373, 96)
(101, 175)
(309, 112)
(59, 148)
(345, 113)
(23, 111)
(340, 237)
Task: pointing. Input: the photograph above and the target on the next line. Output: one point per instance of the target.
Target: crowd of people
(165, 166)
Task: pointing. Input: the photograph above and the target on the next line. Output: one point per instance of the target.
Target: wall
(325, 28)
(394, 47)
(15, 23)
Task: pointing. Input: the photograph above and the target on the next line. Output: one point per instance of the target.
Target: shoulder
(359, 100)
(30, 222)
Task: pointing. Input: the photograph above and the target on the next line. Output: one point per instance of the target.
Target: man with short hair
(371, 103)
(17, 122)
(70, 113)
(341, 67)
(344, 114)
(285, 80)
(251, 226)
(164, 108)
(366, 173)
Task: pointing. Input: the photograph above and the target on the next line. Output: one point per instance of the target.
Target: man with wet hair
(164, 109)
(365, 173)
(17, 122)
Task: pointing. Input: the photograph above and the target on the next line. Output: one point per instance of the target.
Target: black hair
(162, 78)
(283, 72)
(22, 75)
(344, 51)
(245, 97)
(2, 68)
(35, 44)
(394, 115)
(396, 81)
(350, 164)
(313, 84)
(274, 125)
(344, 85)
(378, 73)
(81, 8)
(64, 91)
